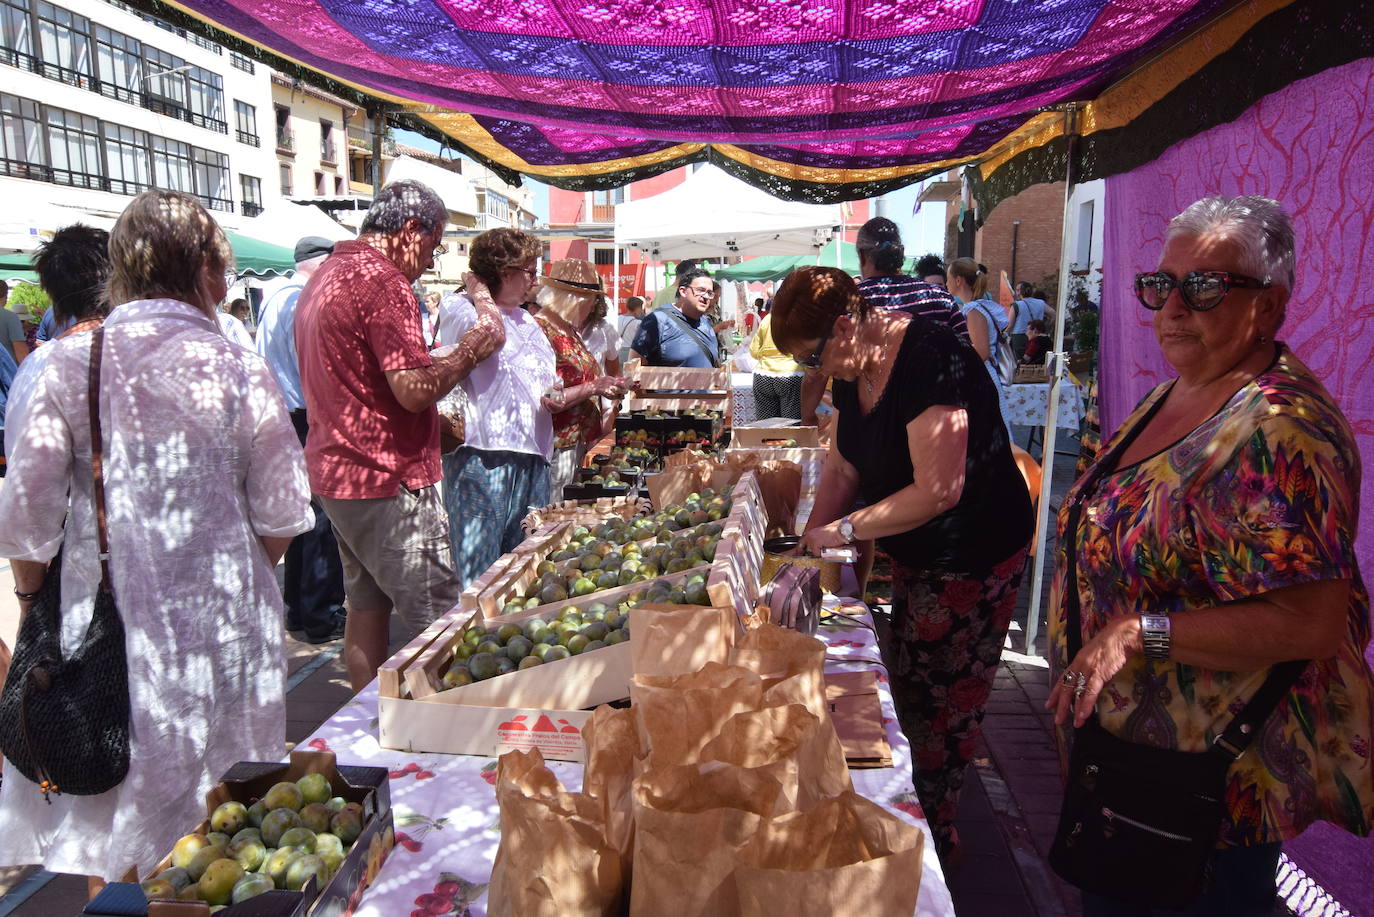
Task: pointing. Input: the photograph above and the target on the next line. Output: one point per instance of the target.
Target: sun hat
(575, 276)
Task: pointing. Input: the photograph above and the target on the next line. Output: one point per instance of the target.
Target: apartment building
(101, 102)
(311, 130)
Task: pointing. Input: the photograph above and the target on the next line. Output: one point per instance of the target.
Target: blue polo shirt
(663, 341)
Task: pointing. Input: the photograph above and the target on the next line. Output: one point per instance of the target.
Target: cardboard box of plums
(276, 863)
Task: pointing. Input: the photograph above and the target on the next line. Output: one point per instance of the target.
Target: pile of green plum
(295, 831)
(621, 553)
(488, 652)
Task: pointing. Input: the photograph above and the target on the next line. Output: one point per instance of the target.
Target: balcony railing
(249, 208)
(35, 171)
(286, 141)
(181, 113)
(327, 152)
(239, 62)
(216, 203)
(250, 139)
(109, 90)
(603, 213)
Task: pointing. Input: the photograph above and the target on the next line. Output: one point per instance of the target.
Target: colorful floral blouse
(576, 366)
(1262, 495)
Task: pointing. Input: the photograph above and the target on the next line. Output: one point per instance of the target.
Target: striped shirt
(899, 292)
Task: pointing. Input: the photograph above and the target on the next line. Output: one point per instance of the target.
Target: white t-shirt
(629, 327)
(602, 342)
(502, 408)
(235, 330)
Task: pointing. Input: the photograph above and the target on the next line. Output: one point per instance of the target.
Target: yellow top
(767, 358)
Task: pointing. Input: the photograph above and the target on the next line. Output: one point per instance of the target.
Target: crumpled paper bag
(790, 664)
(846, 856)
(554, 859)
(799, 750)
(678, 714)
(689, 822)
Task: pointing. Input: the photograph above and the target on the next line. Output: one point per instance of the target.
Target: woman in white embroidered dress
(205, 486)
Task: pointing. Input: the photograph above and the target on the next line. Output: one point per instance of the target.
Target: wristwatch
(1154, 633)
(847, 530)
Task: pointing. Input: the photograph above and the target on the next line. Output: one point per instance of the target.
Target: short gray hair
(1260, 226)
(401, 201)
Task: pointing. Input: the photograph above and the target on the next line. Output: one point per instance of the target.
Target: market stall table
(447, 818)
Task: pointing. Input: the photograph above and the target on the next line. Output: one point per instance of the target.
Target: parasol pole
(1058, 370)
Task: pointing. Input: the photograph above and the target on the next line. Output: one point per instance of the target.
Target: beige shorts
(396, 554)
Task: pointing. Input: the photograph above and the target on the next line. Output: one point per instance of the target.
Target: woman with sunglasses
(502, 467)
(1215, 538)
(919, 436)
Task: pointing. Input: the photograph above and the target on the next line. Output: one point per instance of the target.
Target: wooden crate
(674, 388)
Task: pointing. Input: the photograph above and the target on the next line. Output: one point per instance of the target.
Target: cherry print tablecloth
(447, 820)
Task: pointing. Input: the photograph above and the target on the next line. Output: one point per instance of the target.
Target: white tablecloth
(742, 388)
(447, 819)
(1029, 403)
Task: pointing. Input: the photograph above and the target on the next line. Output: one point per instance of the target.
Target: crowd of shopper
(390, 448)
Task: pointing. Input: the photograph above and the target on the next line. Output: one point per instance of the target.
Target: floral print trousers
(947, 635)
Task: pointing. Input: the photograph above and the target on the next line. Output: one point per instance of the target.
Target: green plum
(250, 886)
(303, 868)
(284, 795)
(229, 818)
(220, 877)
(347, 824)
(301, 838)
(187, 847)
(314, 788)
(276, 823)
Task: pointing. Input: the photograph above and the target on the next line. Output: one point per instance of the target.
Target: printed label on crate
(532, 729)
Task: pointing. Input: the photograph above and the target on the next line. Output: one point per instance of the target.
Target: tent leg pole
(1058, 370)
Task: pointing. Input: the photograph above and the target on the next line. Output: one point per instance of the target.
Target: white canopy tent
(455, 190)
(285, 223)
(715, 214)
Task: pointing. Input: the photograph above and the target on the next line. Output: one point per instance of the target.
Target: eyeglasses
(1201, 290)
(814, 361)
(532, 272)
(440, 249)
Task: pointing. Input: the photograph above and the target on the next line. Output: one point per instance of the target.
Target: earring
(1263, 339)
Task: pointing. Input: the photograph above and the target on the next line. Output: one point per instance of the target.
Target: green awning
(775, 267)
(254, 256)
(251, 256)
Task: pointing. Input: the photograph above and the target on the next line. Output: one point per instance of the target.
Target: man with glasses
(370, 385)
(680, 333)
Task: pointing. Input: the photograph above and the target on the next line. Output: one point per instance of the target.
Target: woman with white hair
(1207, 560)
(569, 295)
(205, 485)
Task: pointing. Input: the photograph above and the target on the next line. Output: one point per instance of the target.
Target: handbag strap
(1237, 736)
(98, 456)
(695, 336)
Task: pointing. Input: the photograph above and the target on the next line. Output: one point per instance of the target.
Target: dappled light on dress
(200, 462)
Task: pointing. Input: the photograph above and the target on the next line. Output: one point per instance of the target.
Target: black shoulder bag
(1140, 823)
(64, 723)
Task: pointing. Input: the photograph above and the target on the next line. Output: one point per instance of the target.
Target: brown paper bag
(612, 741)
(689, 822)
(779, 484)
(678, 715)
(679, 639)
(554, 858)
(791, 664)
(846, 856)
(673, 485)
(789, 744)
